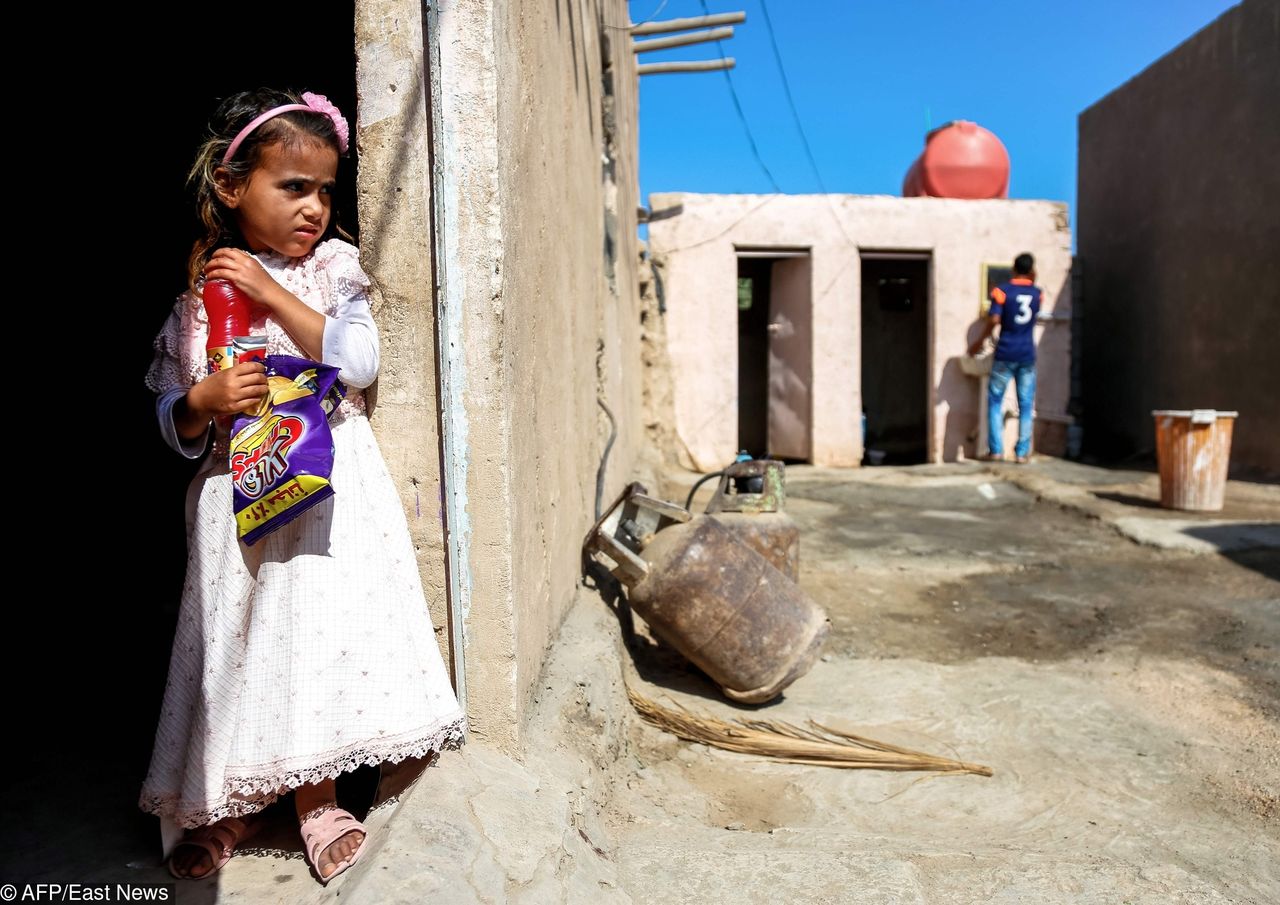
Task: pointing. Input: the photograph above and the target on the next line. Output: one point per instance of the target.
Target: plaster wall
(696, 237)
(393, 191)
(542, 297)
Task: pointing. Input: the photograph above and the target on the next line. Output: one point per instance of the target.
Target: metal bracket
(626, 528)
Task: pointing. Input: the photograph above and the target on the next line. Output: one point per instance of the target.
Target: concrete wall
(394, 194)
(542, 315)
(1179, 226)
(697, 247)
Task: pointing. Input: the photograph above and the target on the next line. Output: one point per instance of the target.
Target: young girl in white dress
(310, 653)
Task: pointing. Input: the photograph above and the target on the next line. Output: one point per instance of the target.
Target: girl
(310, 653)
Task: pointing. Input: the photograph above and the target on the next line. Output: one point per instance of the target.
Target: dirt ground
(1116, 665)
(1126, 696)
(947, 575)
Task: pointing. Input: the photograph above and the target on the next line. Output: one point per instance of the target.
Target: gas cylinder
(728, 610)
(749, 502)
(960, 160)
(709, 595)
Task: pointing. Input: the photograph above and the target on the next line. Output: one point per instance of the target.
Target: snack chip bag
(282, 454)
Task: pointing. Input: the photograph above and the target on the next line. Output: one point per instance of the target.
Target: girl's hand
(304, 324)
(237, 389)
(243, 269)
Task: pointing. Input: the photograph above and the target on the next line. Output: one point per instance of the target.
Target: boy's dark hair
(1023, 264)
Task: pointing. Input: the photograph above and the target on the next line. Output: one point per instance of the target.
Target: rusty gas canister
(728, 610)
(749, 502)
(713, 598)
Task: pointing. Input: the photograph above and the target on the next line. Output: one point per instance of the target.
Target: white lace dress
(310, 653)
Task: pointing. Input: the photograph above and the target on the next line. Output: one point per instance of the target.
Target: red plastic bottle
(228, 310)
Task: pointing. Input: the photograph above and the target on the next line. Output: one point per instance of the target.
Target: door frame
(782, 253)
(872, 253)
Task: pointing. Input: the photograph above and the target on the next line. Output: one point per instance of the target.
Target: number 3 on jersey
(1024, 308)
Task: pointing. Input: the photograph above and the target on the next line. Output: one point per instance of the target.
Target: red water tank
(960, 160)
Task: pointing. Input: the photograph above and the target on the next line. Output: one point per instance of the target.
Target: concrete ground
(1126, 693)
(1117, 665)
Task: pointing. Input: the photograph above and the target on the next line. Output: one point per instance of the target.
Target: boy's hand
(243, 269)
(236, 389)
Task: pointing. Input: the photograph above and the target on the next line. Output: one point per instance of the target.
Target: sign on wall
(992, 276)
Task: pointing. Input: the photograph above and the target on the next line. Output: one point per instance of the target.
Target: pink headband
(314, 103)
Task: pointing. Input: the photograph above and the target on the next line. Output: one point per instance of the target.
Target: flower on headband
(321, 104)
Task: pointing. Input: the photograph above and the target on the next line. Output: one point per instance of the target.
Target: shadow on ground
(1265, 562)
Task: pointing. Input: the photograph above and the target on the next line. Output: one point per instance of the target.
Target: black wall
(1179, 242)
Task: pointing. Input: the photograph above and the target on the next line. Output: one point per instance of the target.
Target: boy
(1014, 308)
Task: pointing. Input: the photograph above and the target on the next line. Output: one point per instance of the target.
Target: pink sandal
(218, 840)
(323, 827)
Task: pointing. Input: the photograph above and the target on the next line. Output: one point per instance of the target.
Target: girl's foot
(205, 849)
(331, 838)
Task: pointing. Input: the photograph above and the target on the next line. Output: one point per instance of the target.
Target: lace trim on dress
(247, 794)
(179, 360)
(339, 262)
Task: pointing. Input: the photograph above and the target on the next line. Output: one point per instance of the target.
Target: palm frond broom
(819, 746)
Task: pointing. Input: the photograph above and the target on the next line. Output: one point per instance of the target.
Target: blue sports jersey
(1017, 302)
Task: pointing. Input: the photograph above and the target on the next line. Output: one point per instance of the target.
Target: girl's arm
(304, 324)
(187, 399)
(351, 339)
(347, 341)
(185, 414)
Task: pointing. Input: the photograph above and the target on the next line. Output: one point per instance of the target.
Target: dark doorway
(895, 359)
(319, 56)
(753, 355)
(775, 352)
(105, 617)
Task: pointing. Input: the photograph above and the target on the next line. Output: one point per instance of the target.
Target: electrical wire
(737, 105)
(795, 114)
(604, 458)
(804, 138)
(791, 101)
(727, 229)
(652, 16)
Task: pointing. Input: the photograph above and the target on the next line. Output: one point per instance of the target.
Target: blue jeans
(1024, 375)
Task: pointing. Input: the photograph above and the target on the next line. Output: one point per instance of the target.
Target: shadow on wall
(960, 431)
(960, 393)
(1055, 393)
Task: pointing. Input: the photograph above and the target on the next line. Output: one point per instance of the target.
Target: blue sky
(867, 75)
